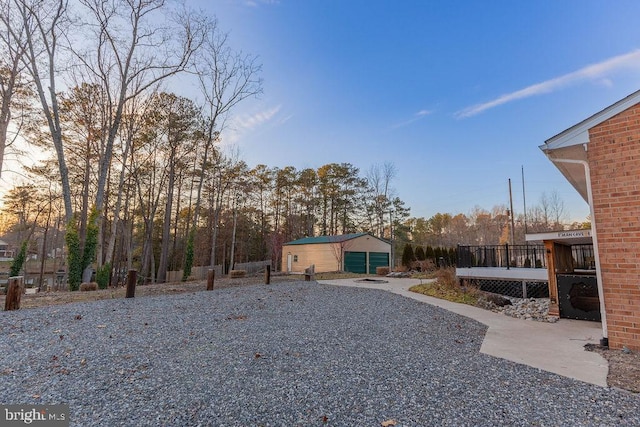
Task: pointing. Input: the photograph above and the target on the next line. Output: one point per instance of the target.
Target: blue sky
(458, 95)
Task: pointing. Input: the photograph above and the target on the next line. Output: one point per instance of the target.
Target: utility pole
(524, 202)
(233, 235)
(511, 204)
(392, 260)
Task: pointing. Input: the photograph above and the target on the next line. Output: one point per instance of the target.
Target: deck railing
(520, 256)
(506, 256)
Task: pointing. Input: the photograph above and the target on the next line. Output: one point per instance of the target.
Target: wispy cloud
(256, 3)
(249, 122)
(417, 116)
(592, 72)
(285, 119)
(246, 123)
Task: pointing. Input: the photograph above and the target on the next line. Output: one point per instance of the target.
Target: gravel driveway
(294, 354)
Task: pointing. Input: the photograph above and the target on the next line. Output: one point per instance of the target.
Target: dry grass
(335, 275)
(44, 299)
(446, 287)
(430, 274)
(382, 271)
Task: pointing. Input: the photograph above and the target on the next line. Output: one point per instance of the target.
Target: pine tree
(408, 256)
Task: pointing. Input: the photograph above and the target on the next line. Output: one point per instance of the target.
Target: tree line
(491, 227)
(245, 214)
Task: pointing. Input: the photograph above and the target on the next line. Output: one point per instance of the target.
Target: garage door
(378, 259)
(355, 262)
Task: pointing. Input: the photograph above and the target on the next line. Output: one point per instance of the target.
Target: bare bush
(89, 286)
(382, 271)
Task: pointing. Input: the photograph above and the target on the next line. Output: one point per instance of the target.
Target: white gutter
(596, 250)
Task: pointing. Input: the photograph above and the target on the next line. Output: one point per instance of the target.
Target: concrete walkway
(554, 347)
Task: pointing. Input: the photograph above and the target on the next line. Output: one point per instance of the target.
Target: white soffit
(572, 171)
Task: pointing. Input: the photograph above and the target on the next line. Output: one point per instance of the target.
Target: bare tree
(12, 80)
(261, 183)
(149, 174)
(137, 44)
(339, 247)
(549, 214)
(379, 179)
(45, 23)
(225, 79)
(226, 185)
(556, 209)
(132, 120)
(177, 122)
(127, 47)
(545, 210)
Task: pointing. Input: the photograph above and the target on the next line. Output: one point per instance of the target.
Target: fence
(512, 288)
(517, 256)
(252, 267)
(200, 272)
(583, 257)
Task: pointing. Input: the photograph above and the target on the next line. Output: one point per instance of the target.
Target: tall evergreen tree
(408, 257)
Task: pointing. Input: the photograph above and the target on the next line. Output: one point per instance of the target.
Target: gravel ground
(294, 354)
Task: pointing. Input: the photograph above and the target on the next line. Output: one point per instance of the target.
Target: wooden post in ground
(267, 275)
(14, 293)
(132, 277)
(211, 276)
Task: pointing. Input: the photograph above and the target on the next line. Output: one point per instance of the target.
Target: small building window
(295, 258)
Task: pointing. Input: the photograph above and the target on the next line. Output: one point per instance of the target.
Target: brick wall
(614, 160)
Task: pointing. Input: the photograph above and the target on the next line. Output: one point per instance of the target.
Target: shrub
(382, 271)
(427, 265)
(429, 253)
(408, 256)
(447, 277)
(188, 262)
(453, 256)
(91, 286)
(419, 253)
(446, 287)
(236, 274)
(102, 276)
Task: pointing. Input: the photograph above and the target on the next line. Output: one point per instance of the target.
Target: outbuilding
(356, 253)
(600, 157)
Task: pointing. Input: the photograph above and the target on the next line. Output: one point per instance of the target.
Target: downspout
(596, 250)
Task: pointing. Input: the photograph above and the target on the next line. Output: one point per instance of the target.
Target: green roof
(326, 239)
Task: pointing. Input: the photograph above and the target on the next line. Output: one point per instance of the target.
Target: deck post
(506, 248)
